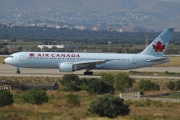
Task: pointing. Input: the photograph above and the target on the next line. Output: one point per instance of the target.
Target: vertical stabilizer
(158, 46)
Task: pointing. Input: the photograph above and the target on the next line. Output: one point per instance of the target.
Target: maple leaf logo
(158, 47)
(31, 54)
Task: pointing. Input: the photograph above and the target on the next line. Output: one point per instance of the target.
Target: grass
(141, 73)
(174, 61)
(58, 108)
(2, 60)
(174, 95)
(30, 79)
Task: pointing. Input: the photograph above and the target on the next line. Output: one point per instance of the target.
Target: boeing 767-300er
(69, 62)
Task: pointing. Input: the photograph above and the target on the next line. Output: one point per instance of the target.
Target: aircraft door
(134, 60)
(21, 58)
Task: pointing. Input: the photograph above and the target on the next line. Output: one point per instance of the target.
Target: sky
(172, 0)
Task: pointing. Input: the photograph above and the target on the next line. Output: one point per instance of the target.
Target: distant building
(121, 30)
(80, 27)
(59, 46)
(58, 27)
(109, 42)
(88, 50)
(50, 46)
(9, 85)
(8, 24)
(95, 29)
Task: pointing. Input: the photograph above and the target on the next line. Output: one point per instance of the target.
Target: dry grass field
(2, 60)
(174, 61)
(58, 109)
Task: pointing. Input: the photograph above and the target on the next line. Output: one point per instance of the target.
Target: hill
(154, 6)
(150, 14)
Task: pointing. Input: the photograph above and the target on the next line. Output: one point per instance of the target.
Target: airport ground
(7, 70)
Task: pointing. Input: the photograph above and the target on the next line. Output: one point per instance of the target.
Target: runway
(7, 70)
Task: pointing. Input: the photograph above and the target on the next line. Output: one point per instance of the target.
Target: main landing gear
(88, 72)
(18, 71)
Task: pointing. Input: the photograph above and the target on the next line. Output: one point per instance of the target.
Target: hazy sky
(171, 0)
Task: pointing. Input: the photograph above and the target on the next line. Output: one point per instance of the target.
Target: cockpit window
(10, 56)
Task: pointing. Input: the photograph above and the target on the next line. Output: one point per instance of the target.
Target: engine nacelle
(66, 67)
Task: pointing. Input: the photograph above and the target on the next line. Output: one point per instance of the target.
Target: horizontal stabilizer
(158, 59)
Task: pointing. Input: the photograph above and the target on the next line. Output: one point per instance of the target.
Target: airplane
(69, 62)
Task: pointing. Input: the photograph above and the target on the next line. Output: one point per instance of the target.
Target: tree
(19, 48)
(109, 106)
(35, 96)
(6, 98)
(177, 83)
(84, 84)
(54, 48)
(5, 51)
(1, 46)
(71, 81)
(107, 78)
(146, 85)
(122, 81)
(96, 86)
(45, 49)
(171, 85)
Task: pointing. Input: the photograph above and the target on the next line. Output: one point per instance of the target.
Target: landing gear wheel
(88, 73)
(18, 72)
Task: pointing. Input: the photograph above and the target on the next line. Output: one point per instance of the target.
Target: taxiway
(7, 70)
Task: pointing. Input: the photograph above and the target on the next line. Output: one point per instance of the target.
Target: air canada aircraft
(69, 62)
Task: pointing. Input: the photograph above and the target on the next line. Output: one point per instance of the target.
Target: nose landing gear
(18, 71)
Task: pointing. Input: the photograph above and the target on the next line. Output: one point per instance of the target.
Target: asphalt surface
(7, 70)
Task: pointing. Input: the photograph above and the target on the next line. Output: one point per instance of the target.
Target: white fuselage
(53, 59)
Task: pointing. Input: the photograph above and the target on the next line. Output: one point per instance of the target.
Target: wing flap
(91, 62)
(84, 64)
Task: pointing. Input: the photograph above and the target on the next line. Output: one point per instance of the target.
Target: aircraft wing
(91, 64)
(158, 59)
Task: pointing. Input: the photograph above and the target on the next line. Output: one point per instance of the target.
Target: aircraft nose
(7, 60)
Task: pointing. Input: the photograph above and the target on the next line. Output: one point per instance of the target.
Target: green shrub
(107, 78)
(171, 85)
(170, 73)
(177, 85)
(97, 86)
(72, 99)
(109, 106)
(145, 85)
(122, 81)
(71, 82)
(84, 84)
(134, 72)
(6, 98)
(35, 96)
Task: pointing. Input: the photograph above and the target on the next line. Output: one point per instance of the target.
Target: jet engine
(67, 67)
